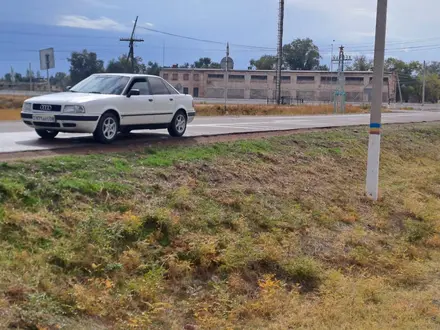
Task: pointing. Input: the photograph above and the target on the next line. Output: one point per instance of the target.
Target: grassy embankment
(10, 107)
(262, 234)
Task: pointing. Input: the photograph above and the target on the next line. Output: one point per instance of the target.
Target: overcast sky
(413, 27)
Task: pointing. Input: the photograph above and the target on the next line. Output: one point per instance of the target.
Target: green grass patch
(238, 235)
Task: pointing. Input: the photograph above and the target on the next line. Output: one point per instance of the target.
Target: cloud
(101, 4)
(83, 22)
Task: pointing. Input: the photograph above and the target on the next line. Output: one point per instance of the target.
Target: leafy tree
(433, 67)
(18, 77)
(301, 54)
(29, 74)
(153, 68)
(361, 63)
(84, 64)
(8, 77)
(123, 65)
(408, 76)
(265, 62)
(185, 65)
(323, 68)
(206, 63)
(61, 79)
(432, 93)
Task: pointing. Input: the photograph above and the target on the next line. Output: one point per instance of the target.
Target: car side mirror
(134, 92)
(68, 88)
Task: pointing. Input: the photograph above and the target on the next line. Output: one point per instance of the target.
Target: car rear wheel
(46, 134)
(178, 125)
(107, 128)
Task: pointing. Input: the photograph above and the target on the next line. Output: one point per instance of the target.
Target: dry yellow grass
(264, 234)
(268, 110)
(10, 109)
(11, 101)
(10, 106)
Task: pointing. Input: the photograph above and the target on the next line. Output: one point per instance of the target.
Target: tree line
(300, 54)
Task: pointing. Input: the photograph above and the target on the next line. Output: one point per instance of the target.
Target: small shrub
(304, 270)
(418, 230)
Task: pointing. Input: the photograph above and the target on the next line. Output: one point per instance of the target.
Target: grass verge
(264, 234)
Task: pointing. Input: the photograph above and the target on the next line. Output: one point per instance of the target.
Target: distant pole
(131, 41)
(30, 77)
(47, 65)
(331, 58)
(163, 55)
(226, 76)
(280, 50)
(372, 185)
(424, 83)
(400, 88)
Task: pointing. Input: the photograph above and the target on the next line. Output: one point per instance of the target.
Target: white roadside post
(372, 185)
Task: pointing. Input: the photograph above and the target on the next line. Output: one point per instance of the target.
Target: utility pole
(331, 58)
(424, 83)
(372, 185)
(400, 88)
(226, 76)
(340, 91)
(30, 77)
(131, 41)
(163, 55)
(280, 50)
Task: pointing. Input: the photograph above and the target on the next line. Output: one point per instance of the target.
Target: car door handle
(171, 99)
(151, 100)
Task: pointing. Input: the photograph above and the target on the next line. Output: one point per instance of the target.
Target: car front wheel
(178, 125)
(46, 134)
(107, 128)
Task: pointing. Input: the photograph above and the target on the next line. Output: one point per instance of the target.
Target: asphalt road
(17, 137)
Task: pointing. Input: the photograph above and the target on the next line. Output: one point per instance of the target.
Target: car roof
(125, 74)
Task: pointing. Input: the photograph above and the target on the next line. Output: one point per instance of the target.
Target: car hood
(69, 97)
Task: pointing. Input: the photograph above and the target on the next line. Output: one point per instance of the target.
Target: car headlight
(27, 107)
(74, 109)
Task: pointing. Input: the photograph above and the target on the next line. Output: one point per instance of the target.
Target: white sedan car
(105, 104)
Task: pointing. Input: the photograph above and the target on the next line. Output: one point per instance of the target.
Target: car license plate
(44, 118)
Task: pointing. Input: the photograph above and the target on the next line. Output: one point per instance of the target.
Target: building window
(165, 76)
(215, 76)
(284, 79)
(196, 92)
(175, 76)
(258, 78)
(354, 80)
(186, 76)
(196, 77)
(329, 80)
(236, 76)
(305, 79)
(185, 90)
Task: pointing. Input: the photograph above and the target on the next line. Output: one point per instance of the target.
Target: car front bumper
(64, 123)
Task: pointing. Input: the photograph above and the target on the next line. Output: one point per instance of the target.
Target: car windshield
(101, 84)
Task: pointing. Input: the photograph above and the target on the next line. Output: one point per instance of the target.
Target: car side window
(171, 90)
(157, 86)
(142, 85)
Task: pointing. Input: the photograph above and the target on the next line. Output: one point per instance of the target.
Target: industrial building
(309, 86)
